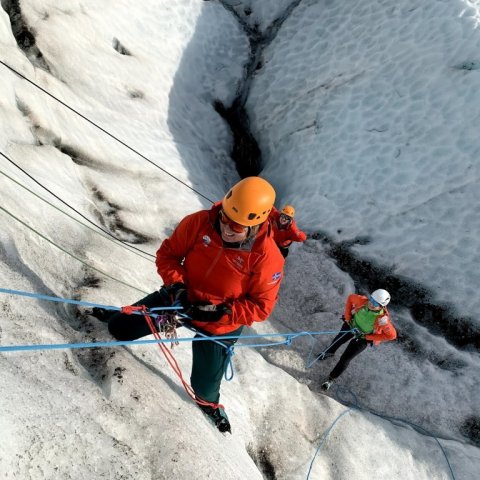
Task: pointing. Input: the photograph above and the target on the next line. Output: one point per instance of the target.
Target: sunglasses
(285, 218)
(234, 226)
(373, 302)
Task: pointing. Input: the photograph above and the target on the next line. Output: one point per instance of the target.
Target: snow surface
(375, 95)
(366, 120)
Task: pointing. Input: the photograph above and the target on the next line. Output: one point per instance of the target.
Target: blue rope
(309, 364)
(229, 372)
(230, 352)
(324, 438)
(63, 346)
(355, 406)
(76, 302)
(217, 339)
(417, 428)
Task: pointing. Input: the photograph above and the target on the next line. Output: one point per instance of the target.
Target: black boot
(325, 386)
(101, 314)
(219, 417)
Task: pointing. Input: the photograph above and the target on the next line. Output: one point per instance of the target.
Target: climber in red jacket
(225, 269)
(285, 228)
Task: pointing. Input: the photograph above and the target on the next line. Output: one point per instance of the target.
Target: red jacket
(248, 280)
(383, 329)
(285, 236)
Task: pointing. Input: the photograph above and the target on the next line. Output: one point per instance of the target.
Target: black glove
(178, 293)
(208, 312)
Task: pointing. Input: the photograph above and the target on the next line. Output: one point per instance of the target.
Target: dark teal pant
(209, 361)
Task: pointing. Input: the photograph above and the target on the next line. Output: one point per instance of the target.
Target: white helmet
(382, 297)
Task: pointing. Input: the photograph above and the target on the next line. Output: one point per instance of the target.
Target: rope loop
(230, 354)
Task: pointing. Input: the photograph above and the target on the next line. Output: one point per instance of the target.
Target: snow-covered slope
(376, 102)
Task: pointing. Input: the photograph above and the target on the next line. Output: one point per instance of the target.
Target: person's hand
(178, 294)
(209, 312)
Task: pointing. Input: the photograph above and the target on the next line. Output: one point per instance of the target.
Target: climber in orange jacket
(369, 318)
(285, 228)
(242, 277)
(225, 269)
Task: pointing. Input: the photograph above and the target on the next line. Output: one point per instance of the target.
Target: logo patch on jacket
(239, 261)
(275, 277)
(382, 321)
(206, 240)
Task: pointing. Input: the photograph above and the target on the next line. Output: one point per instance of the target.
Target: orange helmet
(288, 210)
(249, 201)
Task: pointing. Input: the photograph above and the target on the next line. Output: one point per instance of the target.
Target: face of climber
(231, 231)
(284, 220)
(373, 305)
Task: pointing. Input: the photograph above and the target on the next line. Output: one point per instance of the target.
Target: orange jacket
(248, 280)
(383, 329)
(285, 236)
